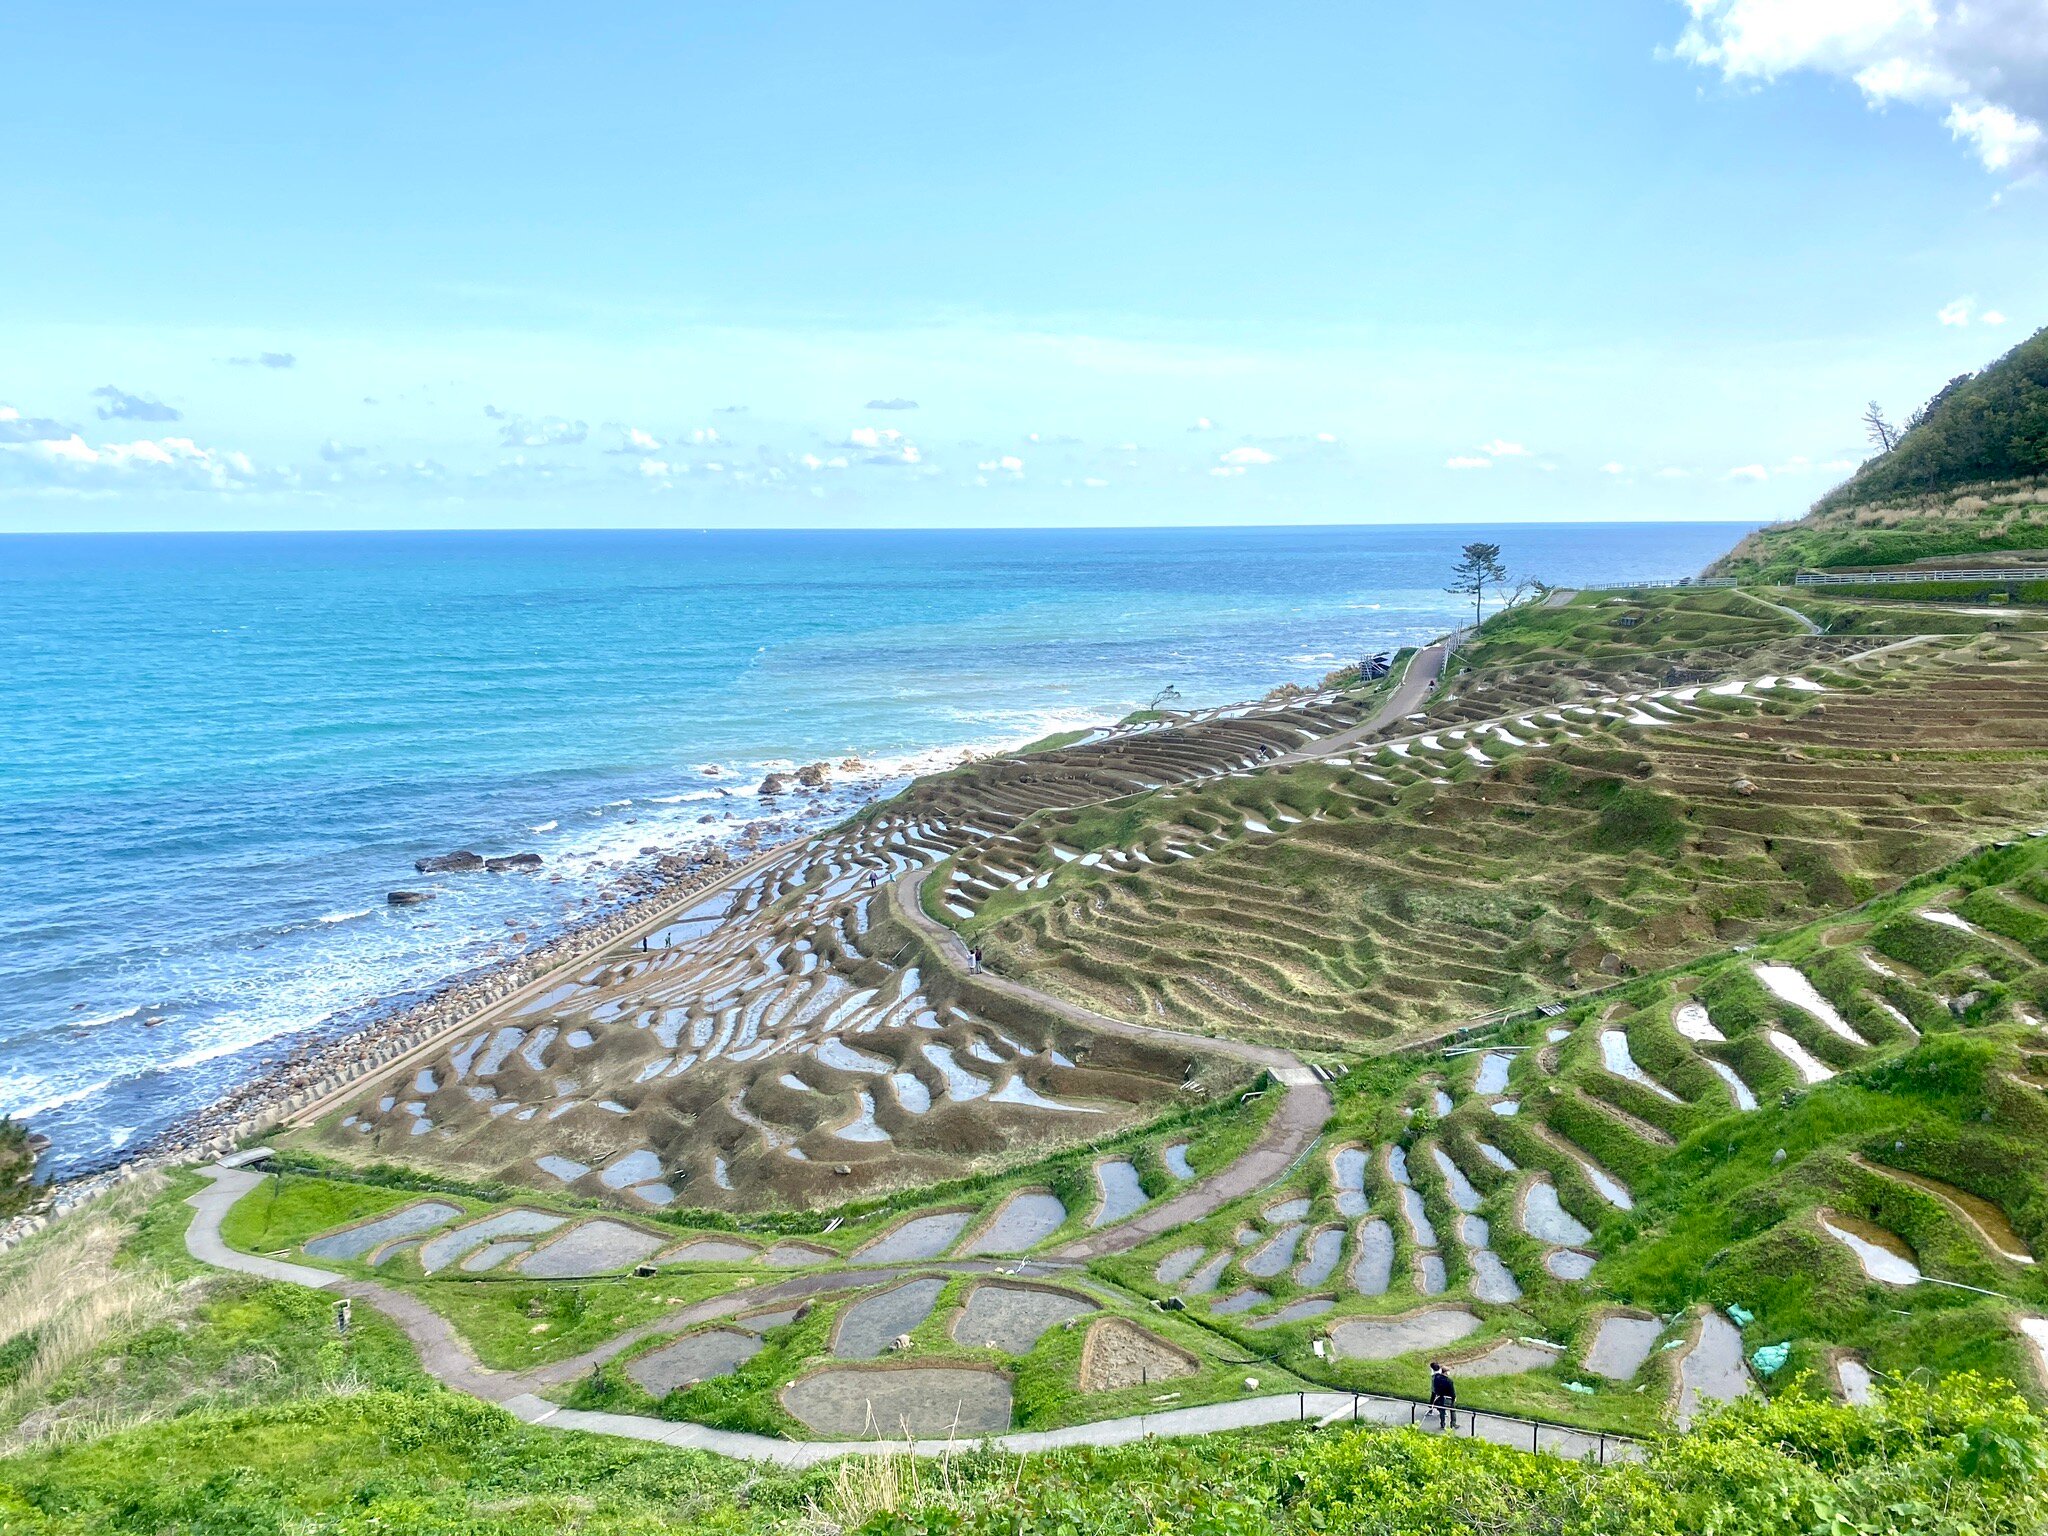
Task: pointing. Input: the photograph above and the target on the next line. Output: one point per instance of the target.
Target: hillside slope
(1965, 479)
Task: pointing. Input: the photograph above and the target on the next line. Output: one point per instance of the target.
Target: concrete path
(1285, 1139)
(1417, 680)
(446, 1358)
(1791, 613)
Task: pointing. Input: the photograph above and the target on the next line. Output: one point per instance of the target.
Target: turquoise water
(220, 752)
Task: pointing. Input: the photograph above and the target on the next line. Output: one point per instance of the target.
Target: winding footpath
(446, 1358)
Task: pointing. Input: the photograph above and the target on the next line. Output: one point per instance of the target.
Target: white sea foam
(97, 1019)
(547, 826)
(345, 917)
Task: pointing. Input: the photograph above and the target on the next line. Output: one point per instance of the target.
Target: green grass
(287, 1208)
(17, 1167)
(1964, 1461)
(1055, 741)
(1596, 626)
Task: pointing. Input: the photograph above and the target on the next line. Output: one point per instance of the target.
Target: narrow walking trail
(1791, 613)
(448, 1360)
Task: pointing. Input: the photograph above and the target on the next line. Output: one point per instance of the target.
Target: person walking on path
(1443, 1395)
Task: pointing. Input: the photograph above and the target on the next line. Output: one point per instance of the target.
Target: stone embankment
(329, 1065)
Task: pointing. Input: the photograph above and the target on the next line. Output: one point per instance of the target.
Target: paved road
(1284, 1140)
(448, 1360)
(1424, 667)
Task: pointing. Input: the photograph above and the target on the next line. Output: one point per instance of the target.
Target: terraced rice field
(772, 1044)
(1837, 1127)
(1433, 878)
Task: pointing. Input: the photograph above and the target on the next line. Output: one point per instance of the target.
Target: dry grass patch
(64, 1296)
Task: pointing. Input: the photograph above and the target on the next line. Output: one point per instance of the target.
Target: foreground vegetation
(1965, 1458)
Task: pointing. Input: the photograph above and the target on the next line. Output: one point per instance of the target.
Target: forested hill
(1966, 477)
(1987, 426)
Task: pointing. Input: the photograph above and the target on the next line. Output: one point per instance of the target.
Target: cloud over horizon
(122, 406)
(517, 431)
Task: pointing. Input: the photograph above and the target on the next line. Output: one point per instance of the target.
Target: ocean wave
(546, 826)
(21, 1110)
(105, 1018)
(344, 917)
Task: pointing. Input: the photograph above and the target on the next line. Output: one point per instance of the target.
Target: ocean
(220, 752)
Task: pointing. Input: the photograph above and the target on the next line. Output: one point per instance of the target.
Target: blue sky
(326, 266)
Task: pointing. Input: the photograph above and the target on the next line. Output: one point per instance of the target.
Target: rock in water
(512, 861)
(461, 861)
(408, 898)
(775, 784)
(812, 775)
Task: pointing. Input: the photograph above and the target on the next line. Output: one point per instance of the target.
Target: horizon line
(896, 528)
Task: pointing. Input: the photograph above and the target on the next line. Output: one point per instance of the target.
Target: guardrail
(1885, 578)
(1673, 581)
(1383, 1409)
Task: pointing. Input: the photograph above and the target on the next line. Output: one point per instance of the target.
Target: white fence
(1872, 578)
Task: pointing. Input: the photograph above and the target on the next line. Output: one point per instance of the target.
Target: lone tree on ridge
(1479, 569)
(1878, 430)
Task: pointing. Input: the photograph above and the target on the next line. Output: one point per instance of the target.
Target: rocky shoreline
(350, 1049)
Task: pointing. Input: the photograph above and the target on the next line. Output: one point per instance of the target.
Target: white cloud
(1093, 483)
(637, 440)
(519, 431)
(873, 437)
(654, 469)
(122, 406)
(1748, 472)
(1613, 468)
(15, 427)
(1673, 472)
(1203, 424)
(1954, 312)
(1468, 461)
(1008, 464)
(1501, 448)
(1246, 456)
(2001, 138)
(1991, 317)
(168, 460)
(1982, 63)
